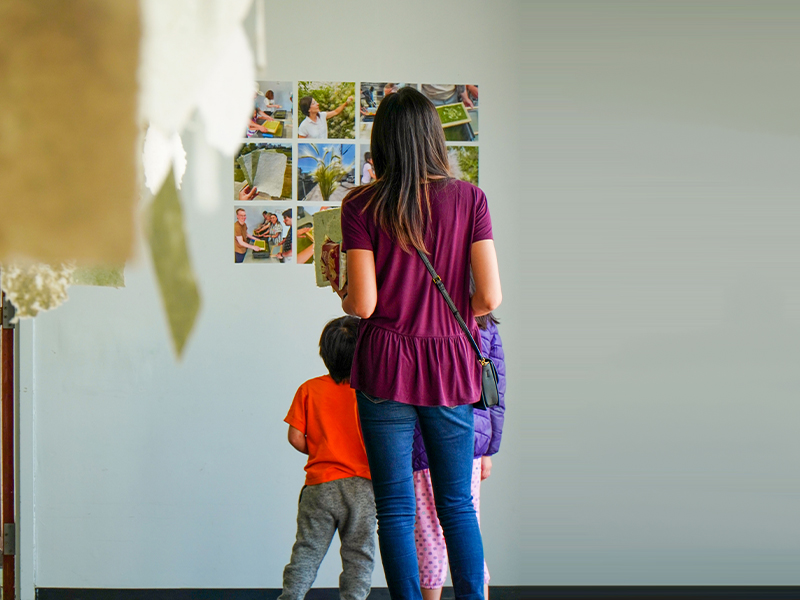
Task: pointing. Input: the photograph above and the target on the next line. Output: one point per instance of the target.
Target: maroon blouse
(411, 349)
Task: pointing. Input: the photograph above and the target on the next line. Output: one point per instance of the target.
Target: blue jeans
(388, 429)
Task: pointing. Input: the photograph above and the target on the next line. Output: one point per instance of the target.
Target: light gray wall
(663, 293)
(641, 165)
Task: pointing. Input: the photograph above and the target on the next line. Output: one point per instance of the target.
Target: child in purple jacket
(431, 549)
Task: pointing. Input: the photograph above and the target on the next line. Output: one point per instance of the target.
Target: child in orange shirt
(323, 423)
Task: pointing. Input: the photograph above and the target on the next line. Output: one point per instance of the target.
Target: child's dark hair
(484, 320)
(337, 345)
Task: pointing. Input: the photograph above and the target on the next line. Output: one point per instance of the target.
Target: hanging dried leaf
(171, 260)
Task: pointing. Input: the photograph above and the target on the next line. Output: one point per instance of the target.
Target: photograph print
(263, 172)
(464, 163)
(326, 110)
(305, 231)
(325, 172)
(367, 168)
(272, 110)
(372, 92)
(457, 105)
(262, 234)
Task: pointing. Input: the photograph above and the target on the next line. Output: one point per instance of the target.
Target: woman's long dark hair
(408, 150)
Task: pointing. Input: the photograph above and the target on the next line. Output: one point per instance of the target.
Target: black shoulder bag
(489, 395)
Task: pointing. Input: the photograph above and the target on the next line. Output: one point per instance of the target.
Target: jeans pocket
(371, 398)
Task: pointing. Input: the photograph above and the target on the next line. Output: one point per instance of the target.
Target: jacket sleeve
(497, 413)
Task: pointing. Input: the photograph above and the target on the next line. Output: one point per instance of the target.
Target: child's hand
(486, 467)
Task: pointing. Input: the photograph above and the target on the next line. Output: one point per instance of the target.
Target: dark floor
(495, 593)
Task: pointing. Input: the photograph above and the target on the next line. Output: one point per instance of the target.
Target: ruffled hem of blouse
(424, 371)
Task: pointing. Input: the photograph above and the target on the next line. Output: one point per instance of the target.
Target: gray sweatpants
(344, 504)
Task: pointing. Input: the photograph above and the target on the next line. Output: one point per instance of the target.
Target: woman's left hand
(342, 292)
(486, 467)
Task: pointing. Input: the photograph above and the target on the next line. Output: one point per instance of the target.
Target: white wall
(640, 163)
(152, 473)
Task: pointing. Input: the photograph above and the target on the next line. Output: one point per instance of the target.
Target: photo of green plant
(331, 96)
(325, 172)
(464, 163)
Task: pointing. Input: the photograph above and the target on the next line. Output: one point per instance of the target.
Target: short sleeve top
(315, 130)
(325, 411)
(239, 230)
(411, 348)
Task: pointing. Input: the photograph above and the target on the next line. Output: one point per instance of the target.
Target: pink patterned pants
(431, 549)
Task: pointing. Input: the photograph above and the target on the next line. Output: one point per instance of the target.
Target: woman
(315, 125)
(262, 230)
(412, 361)
(269, 107)
(275, 231)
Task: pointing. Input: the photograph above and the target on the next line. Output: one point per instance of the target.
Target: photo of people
(284, 251)
(457, 105)
(263, 172)
(371, 95)
(305, 233)
(259, 235)
(367, 172)
(325, 172)
(267, 229)
(272, 110)
(327, 110)
(464, 163)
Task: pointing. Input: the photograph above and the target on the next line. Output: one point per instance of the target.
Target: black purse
(489, 394)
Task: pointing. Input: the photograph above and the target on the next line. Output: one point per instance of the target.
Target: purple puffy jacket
(488, 423)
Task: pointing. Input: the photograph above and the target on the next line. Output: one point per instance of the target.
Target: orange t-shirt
(326, 412)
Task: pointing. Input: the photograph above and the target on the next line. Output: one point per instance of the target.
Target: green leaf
(174, 272)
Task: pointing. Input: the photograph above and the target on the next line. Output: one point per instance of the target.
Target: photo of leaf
(267, 167)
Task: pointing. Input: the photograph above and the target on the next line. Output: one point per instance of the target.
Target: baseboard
(525, 592)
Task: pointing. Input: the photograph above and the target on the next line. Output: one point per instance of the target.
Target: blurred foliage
(331, 95)
(109, 276)
(468, 163)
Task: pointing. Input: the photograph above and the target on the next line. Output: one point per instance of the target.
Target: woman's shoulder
(462, 189)
(358, 197)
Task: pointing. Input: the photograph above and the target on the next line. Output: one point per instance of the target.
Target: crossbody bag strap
(438, 282)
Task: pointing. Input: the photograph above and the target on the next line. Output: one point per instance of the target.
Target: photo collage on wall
(306, 146)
